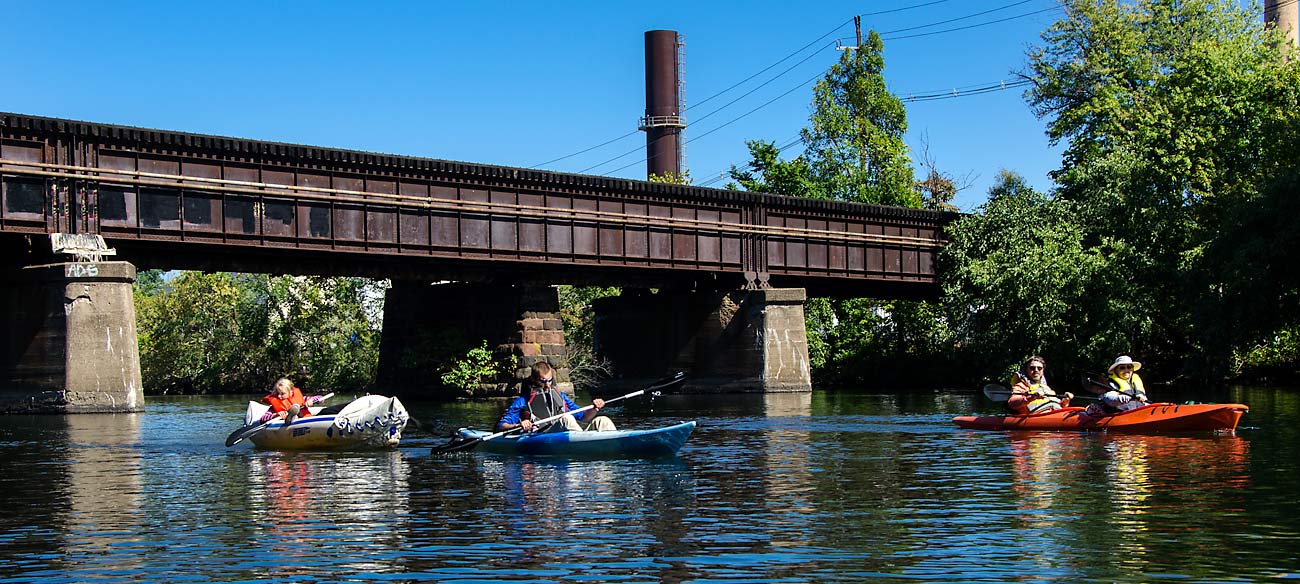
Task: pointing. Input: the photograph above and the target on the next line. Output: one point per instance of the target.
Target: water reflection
(103, 484)
(360, 500)
(821, 488)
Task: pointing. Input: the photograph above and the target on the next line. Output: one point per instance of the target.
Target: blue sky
(520, 84)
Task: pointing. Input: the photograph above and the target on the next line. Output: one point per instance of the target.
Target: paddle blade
(666, 383)
(457, 443)
(240, 434)
(997, 393)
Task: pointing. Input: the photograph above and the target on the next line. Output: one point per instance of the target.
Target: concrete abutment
(69, 339)
(749, 341)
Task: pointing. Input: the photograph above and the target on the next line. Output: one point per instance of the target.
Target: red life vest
(279, 404)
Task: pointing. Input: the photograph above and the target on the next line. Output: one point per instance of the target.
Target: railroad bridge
(714, 280)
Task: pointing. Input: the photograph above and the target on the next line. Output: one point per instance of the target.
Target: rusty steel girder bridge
(186, 201)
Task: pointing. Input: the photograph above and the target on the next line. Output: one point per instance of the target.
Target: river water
(827, 487)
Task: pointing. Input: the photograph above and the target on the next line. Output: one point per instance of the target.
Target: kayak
(619, 443)
(367, 423)
(1157, 417)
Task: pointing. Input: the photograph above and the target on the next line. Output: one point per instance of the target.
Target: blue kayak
(619, 443)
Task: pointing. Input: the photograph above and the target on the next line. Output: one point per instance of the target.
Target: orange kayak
(1158, 417)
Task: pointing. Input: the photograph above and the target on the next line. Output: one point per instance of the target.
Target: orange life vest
(279, 404)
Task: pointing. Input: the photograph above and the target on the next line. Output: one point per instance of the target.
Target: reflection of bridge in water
(185, 201)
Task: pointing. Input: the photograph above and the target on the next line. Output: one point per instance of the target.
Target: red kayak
(1159, 417)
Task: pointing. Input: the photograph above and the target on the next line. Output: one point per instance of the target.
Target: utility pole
(857, 26)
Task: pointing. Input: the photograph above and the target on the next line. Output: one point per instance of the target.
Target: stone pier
(728, 342)
(423, 321)
(68, 340)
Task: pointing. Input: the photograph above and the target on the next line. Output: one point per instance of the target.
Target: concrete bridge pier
(67, 339)
(749, 341)
(425, 324)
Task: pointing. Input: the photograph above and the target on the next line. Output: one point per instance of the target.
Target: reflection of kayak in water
(619, 443)
(1159, 417)
(368, 422)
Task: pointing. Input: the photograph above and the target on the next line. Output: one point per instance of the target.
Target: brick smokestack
(664, 121)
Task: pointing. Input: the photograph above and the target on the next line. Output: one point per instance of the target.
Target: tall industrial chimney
(664, 119)
(1283, 15)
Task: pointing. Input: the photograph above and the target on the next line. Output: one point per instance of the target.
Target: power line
(948, 30)
(587, 150)
(1000, 86)
(760, 86)
(742, 82)
(957, 19)
(769, 67)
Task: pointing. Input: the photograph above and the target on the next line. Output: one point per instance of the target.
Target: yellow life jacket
(1041, 388)
(1132, 389)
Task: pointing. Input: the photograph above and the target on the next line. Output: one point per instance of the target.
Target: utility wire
(760, 86)
(948, 30)
(959, 18)
(805, 47)
(587, 150)
(743, 81)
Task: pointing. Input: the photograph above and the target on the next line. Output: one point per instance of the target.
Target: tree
(1019, 279)
(211, 333)
(853, 146)
(767, 173)
(1177, 115)
(854, 151)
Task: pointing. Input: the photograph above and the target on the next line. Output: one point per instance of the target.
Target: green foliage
(1018, 279)
(586, 367)
(209, 333)
(854, 148)
(677, 178)
(854, 145)
(476, 366)
(767, 173)
(854, 151)
(1179, 117)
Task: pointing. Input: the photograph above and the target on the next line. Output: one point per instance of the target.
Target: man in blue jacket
(540, 400)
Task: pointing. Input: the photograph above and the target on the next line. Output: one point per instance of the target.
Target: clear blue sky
(519, 84)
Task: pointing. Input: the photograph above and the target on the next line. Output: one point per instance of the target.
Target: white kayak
(367, 423)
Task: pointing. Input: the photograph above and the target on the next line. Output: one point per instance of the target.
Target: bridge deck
(168, 199)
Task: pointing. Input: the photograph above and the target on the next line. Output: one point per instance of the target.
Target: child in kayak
(1030, 393)
(287, 402)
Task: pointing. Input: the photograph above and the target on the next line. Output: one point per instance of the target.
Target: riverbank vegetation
(1170, 232)
(218, 332)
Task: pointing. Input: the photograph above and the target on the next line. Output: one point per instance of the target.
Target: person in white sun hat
(1126, 390)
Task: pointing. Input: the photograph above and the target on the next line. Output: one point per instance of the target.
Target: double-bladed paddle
(239, 435)
(1000, 393)
(457, 443)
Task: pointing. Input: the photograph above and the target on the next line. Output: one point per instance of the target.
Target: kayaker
(287, 402)
(539, 399)
(1126, 390)
(1030, 393)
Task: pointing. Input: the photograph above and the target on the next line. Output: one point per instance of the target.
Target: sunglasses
(1125, 367)
(1034, 368)
(545, 379)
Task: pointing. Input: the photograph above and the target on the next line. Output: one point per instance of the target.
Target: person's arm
(513, 417)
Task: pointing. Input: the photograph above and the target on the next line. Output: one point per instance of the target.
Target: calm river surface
(786, 488)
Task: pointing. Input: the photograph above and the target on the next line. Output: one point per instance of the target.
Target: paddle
(239, 435)
(999, 393)
(457, 444)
